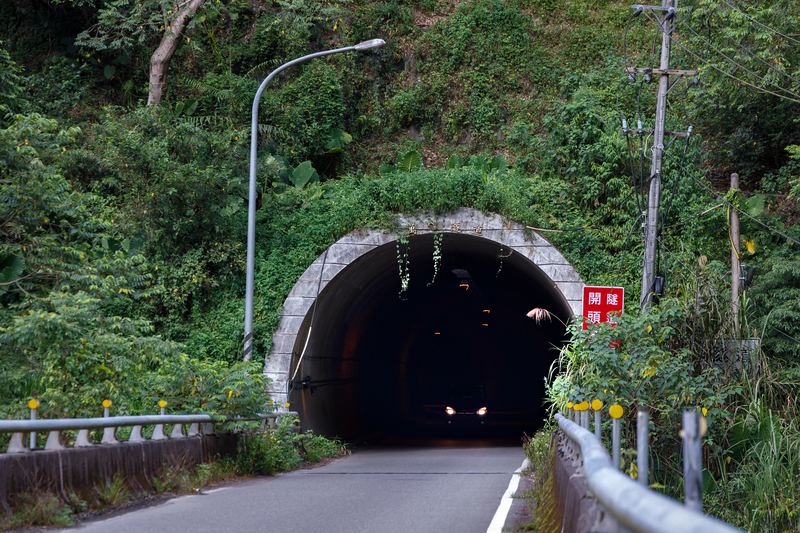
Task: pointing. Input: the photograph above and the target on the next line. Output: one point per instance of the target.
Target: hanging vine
(437, 254)
(501, 257)
(403, 262)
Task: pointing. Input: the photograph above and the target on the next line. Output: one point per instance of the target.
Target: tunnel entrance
(380, 362)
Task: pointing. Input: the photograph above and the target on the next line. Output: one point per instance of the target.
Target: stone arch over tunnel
(383, 364)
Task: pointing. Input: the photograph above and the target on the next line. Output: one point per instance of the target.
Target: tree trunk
(159, 62)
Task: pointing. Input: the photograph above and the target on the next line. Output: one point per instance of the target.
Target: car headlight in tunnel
(450, 410)
(482, 411)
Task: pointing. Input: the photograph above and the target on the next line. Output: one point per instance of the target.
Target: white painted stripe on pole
(501, 514)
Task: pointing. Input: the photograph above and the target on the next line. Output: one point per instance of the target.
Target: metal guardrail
(109, 425)
(635, 507)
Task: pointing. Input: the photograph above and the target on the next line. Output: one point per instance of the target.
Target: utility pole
(735, 257)
(651, 224)
(654, 191)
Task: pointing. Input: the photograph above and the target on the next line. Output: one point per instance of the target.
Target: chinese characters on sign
(598, 302)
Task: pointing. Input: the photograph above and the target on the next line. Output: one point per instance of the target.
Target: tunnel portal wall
(350, 248)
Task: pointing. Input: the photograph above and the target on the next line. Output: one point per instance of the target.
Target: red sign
(598, 302)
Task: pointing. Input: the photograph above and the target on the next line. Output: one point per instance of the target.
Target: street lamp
(251, 212)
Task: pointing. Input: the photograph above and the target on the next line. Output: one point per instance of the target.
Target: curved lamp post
(251, 212)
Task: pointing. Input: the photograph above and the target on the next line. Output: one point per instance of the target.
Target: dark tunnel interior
(382, 365)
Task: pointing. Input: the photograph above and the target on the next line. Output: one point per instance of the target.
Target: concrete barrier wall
(77, 470)
(576, 507)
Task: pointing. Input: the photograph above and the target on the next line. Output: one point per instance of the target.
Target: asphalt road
(440, 487)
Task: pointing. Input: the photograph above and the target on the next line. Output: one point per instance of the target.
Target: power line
(759, 23)
(685, 220)
(764, 194)
(698, 280)
(710, 45)
(754, 54)
(760, 89)
(622, 260)
(723, 200)
(581, 228)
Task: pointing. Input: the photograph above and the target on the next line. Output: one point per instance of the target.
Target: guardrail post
(616, 412)
(692, 461)
(109, 433)
(194, 429)
(82, 440)
(597, 405)
(177, 432)
(136, 435)
(17, 444)
(158, 431)
(642, 451)
(53, 441)
(34, 406)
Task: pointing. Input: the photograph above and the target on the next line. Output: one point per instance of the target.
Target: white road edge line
(501, 514)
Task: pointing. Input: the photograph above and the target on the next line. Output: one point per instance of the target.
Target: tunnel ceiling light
(484, 324)
(486, 311)
(437, 333)
(464, 284)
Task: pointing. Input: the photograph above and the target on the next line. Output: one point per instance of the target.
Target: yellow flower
(705, 411)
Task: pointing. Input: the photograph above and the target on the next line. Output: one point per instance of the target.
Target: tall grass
(762, 494)
(541, 496)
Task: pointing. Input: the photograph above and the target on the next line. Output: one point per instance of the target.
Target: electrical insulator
(624, 125)
(639, 124)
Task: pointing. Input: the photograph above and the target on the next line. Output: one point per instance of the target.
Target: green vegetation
(38, 510)
(541, 495)
(122, 251)
(671, 359)
(266, 452)
(283, 448)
